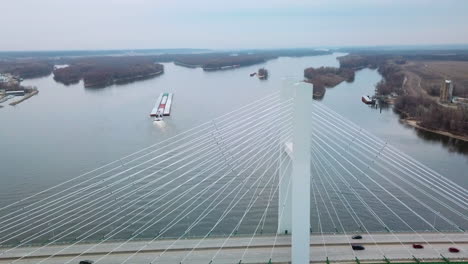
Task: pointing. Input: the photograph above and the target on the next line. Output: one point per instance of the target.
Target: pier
(26, 97)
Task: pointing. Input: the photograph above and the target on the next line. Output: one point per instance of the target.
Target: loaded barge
(163, 106)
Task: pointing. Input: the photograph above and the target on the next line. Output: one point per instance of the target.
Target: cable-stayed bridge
(237, 190)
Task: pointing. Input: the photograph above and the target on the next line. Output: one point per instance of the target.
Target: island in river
(105, 71)
(101, 71)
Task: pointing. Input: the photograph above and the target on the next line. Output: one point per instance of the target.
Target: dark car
(356, 237)
(418, 246)
(357, 247)
(454, 249)
(86, 262)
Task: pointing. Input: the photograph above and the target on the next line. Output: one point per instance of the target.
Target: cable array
(221, 179)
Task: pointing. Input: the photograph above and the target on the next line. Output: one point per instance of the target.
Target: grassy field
(429, 75)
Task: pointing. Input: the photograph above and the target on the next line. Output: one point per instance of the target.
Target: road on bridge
(336, 247)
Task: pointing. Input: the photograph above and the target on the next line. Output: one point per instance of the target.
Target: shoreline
(187, 65)
(26, 97)
(123, 80)
(414, 123)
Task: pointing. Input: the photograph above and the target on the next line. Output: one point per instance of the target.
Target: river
(68, 130)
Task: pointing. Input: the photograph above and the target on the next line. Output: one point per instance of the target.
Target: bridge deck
(336, 248)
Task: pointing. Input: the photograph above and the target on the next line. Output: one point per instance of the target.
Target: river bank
(126, 80)
(414, 123)
(26, 97)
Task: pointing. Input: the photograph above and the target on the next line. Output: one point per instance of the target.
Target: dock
(26, 97)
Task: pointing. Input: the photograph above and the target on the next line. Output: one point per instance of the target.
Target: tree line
(104, 71)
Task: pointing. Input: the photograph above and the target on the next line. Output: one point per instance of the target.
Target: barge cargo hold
(167, 108)
(163, 105)
(156, 106)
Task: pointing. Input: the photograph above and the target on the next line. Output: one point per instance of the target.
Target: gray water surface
(68, 130)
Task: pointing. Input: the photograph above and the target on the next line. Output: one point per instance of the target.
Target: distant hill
(86, 53)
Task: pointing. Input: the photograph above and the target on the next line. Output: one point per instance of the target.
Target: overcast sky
(220, 24)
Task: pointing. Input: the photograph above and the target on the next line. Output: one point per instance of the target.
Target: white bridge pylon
(294, 188)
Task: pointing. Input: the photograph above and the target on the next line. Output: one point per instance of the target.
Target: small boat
(262, 74)
(253, 74)
(367, 100)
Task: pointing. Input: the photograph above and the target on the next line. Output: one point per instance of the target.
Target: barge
(163, 106)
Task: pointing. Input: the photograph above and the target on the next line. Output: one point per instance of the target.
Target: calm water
(68, 130)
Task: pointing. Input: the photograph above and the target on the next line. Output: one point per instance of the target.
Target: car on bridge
(358, 247)
(453, 250)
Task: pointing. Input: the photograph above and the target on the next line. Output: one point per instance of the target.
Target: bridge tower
(294, 195)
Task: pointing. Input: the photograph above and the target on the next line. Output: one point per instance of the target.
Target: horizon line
(453, 45)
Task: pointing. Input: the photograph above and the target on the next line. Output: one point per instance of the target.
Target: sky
(233, 24)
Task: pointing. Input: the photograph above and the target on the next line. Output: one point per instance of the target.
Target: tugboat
(367, 99)
(159, 115)
(262, 74)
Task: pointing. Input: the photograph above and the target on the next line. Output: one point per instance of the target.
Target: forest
(104, 71)
(429, 70)
(413, 101)
(324, 77)
(432, 115)
(27, 68)
(233, 61)
(220, 60)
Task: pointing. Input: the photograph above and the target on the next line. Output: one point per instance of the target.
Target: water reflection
(451, 144)
(161, 125)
